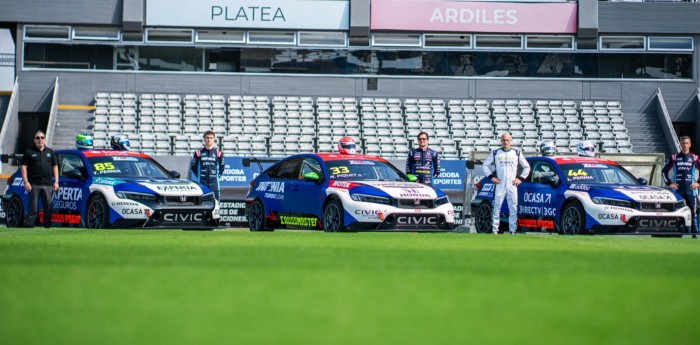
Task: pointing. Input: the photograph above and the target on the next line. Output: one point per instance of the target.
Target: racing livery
(333, 192)
(585, 195)
(107, 188)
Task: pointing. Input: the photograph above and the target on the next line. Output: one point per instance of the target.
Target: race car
(344, 192)
(585, 195)
(119, 189)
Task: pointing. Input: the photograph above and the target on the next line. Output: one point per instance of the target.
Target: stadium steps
(645, 133)
(69, 123)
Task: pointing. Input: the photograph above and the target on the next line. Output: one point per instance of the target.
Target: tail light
(477, 185)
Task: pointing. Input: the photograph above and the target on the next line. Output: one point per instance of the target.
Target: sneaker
(495, 232)
(512, 232)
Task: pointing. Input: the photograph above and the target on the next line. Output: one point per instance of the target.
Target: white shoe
(495, 232)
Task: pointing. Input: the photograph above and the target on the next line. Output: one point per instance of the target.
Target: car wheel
(333, 215)
(256, 217)
(97, 213)
(573, 219)
(14, 215)
(483, 219)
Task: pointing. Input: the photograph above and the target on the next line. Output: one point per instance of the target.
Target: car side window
(72, 165)
(310, 165)
(287, 170)
(541, 169)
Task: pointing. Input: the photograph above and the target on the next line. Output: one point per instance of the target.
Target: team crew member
(684, 164)
(39, 164)
(423, 162)
(208, 164)
(501, 166)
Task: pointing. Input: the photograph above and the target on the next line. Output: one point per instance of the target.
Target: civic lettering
(416, 220)
(183, 217)
(658, 223)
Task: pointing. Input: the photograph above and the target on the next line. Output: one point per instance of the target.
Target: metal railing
(53, 116)
(666, 124)
(10, 127)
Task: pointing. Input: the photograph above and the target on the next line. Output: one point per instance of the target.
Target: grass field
(297, 287)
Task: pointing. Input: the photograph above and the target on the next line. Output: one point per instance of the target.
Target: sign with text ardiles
(259, 14)
(473, 16)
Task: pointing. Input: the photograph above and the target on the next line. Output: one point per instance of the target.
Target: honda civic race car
(106, 188)
(334, 193)
(584, 195)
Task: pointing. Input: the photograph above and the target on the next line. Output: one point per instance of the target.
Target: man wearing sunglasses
(39, 165)
(423, 162)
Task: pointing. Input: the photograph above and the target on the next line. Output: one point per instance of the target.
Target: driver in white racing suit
(501, 167)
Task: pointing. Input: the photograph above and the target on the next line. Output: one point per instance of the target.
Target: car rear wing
(259, 161)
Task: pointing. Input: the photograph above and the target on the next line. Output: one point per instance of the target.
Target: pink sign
(459, 16)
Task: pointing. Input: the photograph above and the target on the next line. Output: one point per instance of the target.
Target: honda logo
(183, 198)
(658, 205)
(417, 220)
(416, 202)
(183, 217)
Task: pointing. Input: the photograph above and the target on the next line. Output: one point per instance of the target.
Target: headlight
(679, 205)
(371, 198)
(441, 201)
(612, 202)
(208, 197)
(137, 196)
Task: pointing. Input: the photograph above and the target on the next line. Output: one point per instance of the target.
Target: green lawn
(302, 287)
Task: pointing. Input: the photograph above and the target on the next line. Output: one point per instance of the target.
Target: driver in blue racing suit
(208, 164)
(423, 162)
(684, 164)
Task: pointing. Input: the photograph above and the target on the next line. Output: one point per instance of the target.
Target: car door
(73, 190)
(537, 198)
(308, 195)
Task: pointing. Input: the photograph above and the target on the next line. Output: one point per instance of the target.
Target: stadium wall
(104, 12)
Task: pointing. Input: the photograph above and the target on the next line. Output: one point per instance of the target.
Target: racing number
(580, 172)
(104, 166)
(339, 170)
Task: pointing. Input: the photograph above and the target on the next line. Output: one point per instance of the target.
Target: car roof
(579, 159)
(337, 156)
(106, 153)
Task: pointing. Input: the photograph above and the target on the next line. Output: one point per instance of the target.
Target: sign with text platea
(460, 16)
(259, 14)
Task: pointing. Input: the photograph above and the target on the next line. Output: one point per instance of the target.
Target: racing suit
(208, 166)
(503, 164)
(424, 164)
(684, 166)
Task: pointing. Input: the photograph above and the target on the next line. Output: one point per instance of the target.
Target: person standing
(684, 164)
(501, 167)
(208, 164)
(423, 162)
(39, 165)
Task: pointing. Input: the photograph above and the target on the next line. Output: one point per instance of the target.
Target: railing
(52, 115)
(666, 124)
(10, 127)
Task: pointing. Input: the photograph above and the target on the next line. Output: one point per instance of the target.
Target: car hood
(165, 187)
(400, 190)
(636, 193)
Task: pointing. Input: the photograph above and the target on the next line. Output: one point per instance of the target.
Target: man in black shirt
(39, 164)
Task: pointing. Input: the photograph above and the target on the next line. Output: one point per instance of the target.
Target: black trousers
(46, 195)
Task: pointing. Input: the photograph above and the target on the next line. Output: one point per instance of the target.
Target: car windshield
(590, 173)
(363, 170)
(126, 166)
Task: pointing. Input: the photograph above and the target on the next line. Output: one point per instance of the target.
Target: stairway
(69, 123)
(645, 133)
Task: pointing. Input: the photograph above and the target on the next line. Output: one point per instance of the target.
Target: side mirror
(643, 181)
(549, 180)
(175, 174)
(74, 174)
(412, 178)
(312, 176)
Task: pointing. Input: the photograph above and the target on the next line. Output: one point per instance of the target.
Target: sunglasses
(39, 138)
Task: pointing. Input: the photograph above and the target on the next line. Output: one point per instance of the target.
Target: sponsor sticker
(298, 221)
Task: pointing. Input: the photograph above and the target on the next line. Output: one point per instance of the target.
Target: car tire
(14, 215)
(483, 219)
(97, 215)
(573, 219)
(256, 217)
(333, 216)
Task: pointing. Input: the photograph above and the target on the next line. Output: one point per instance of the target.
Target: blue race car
(334, 192)
(106, 188)
(583, 195)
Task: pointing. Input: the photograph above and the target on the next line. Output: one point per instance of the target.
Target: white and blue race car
(584, 195)
(334, 193)
(118, 189)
